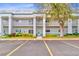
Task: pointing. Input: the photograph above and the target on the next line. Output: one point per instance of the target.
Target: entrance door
(39, 27)
(39, 32)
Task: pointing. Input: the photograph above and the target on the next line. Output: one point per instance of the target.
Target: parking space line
(71, 45)
(16, 49)
(48, 48)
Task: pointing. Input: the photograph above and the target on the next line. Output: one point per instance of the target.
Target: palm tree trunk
(61, 29)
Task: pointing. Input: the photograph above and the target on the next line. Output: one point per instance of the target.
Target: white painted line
(48, 49)
(15, 49)
(71, 45)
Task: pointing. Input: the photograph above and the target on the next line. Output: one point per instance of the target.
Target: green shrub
(51, 35)
(10, 35)
(6, 36)
(67, 34)
(24, 35)
(3, 36)
(18, 34)
(27, 35)
(74, 34)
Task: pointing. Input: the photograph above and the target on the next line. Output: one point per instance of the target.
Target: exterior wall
(74, 22)
(52, 23)
(53, 30)
(74, 26)
(5, 22)
(22, 22)
(21, 30)
(25, 25)
(74, 30)
(39, 22)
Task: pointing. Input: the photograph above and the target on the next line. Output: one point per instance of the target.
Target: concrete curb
(40, 39)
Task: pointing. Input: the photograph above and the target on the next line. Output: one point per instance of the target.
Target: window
(75, 30)
(4, 32)
(47, 20)
(18, 30)
(47, 30)
(20, 21)
(30, 20)
(17, 20)
(59, 30)
(30, 31)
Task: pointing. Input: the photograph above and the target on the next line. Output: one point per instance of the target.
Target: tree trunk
(61, 30)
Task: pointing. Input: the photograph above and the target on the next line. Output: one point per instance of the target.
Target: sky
(75, 5)
(17, 6)
(27, 6)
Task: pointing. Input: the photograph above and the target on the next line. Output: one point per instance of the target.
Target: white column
(34, 26)
(44, 25)
(1, 26)
(10, 24)
(69, 26)
(78, 26)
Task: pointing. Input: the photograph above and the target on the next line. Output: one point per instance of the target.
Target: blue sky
(75, 5)
(17, 6)
(26, 5)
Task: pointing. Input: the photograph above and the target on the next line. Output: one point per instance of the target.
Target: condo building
(26, 21)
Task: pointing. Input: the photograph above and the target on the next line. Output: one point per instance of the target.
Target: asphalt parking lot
(39, 47)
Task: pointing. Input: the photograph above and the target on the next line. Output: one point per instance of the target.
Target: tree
(60, 12)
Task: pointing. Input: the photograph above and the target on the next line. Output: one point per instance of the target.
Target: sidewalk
(39, 38)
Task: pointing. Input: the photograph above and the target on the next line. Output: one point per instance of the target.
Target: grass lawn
(66, 37)
(48, 37)
(17, 38)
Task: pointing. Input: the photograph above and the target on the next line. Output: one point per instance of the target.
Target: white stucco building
(25, 21)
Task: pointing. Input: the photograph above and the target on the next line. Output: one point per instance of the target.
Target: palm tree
(60, 12)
